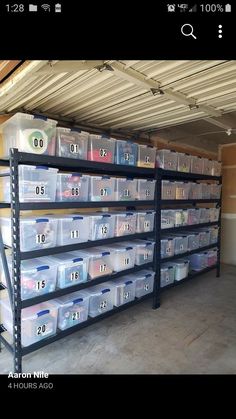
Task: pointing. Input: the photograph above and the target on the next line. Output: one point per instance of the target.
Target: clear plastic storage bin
(99, 262)
(72, 143)
(214, 214)
(167, 219)
(101, 148)
(184, 163)
(102, 226)
(193, 241)
(38, 277)
(180, 217)
(167, 274)
(125, 189)
(196, 164)
(182, 190)
(212, 257)
(29, 134)
(145, 189)
(102, 188)
(72, 187)
(195, 191)
(181, 269)
(126, 153)
(194, 216)
(144, 282)
(207, 167)
(145, 221)
(198, 261)
(122, 256)
(72, 268)
(36, 184)
(181, 243)
(215, 191)
(101, 299)
(204, 237)
(73, 229)
(37, 322)
(125, 223)
(167, 159)
(168, 190)
(124, 291)
(205, 190)
(72, 310)
(167, 247)
(144, 251)
(216, 171)
(214, 235)
(204, 215)
(146, 156)
(35, 233)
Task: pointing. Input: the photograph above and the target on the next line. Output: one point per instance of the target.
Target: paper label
(74, 234)
(103, 152)
(40, 285)
(74, 148)
(74, 276)
(40, 238)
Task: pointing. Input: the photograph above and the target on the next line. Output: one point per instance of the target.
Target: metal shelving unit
(14, 291)
(189, 203)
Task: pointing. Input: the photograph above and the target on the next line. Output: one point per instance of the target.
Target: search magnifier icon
(187, 30)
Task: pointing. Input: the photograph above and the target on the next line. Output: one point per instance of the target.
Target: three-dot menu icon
(220, 31)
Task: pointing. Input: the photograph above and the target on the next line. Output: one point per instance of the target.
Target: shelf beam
(191, 252)
(188, 227)
(192, 275)
(69, 205)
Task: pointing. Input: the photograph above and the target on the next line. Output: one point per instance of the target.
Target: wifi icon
(46, 7)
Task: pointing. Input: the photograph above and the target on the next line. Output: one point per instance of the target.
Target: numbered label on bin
(75, 191)
(74, 276)
(40, 285)
(74, 148)
(103, 191)
(103, 305)
(147, 192)
(40, 238)
(147, 225)
(146, 256)
(40, 190)
(126, 227)
(127, 156)
(103, 152)
(146, 287)
(75, 315)
(42, 330)
(127, 193)
(126, 261)
(147, 159)
(104, 229)
(126, 295)
(74, 234)
(103, 268)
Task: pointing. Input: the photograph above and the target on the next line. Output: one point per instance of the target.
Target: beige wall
(228, 156)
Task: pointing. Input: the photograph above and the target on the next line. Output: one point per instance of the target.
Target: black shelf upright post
(219, 236)
(16, 260)
(157, 255)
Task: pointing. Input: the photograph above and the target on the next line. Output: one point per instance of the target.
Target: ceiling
(179, 100)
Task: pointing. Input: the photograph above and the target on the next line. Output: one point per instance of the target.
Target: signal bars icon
(46, 7)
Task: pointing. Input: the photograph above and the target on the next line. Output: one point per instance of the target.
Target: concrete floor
(194, 331)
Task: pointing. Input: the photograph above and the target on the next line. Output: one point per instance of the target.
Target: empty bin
(168, 190)
(38, 277)
(37, 322)
(36, 184)
(72, 229)
(72, 143)
(101, 148)
(145, 189)
(126, 153)
(183, 163)
(124, 291)
(181, 269)
(146, 156)
(102, 188)
(122, 256)
(29, 134)
(72, 310)
(99, 262)
(145, 221)
(35, 233)
(167, 159)
(125, 189)
(167, 274)
(72, 268)
(101, 299)
(125, 223)
(102, 226)
(144, 282)
(72, 187)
